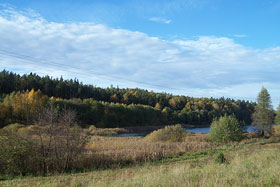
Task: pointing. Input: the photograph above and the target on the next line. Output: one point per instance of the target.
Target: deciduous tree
(226, 128)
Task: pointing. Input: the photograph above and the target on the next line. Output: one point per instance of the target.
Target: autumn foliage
(22, 106)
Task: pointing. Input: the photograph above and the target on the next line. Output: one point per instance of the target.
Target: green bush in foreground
(225, 129)
(220, 159)
(16, 153)
(173, 133)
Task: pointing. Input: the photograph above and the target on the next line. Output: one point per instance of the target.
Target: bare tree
(61, 140)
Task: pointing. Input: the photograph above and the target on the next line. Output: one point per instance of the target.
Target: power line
(82, 71)
(92, 73)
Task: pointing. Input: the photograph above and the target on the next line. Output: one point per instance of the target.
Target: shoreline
(147, 129)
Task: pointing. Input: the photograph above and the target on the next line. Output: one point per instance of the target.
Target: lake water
(204, 130)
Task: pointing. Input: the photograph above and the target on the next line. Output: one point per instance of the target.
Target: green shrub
(220, 159)
(169, 133)
(17, 155)
(225, 129)
(55, 144)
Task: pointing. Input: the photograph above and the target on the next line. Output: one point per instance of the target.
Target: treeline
(110, 107)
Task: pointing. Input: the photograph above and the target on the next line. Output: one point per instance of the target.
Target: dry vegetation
(118, 151)
(240, 170)
(76, 150)
(128, 161)
(93, 131)
(275, 130)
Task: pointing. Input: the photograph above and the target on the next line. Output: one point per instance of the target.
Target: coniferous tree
(173, 108)
(263, 117)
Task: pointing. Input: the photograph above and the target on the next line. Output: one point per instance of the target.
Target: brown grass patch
(118, 151)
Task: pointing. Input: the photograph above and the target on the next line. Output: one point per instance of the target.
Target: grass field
(255, 163)
(120, 151)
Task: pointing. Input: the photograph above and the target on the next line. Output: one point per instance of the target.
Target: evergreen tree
(277, 118)
(175, 108)
(263, 116)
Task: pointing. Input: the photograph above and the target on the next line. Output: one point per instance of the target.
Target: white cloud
(100, 55)
(240, 35)
(160, 20)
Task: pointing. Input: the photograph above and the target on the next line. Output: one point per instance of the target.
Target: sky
(198, 48)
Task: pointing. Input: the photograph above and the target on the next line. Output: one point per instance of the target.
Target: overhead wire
(81, 71)
(95, 74)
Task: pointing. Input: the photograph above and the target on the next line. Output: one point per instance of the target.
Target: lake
(204, 130)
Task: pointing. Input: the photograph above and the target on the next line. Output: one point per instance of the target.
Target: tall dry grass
(105, 131)
(275, 130)
(119, 151)
(251, 166)
(100, 151)
(116, 152)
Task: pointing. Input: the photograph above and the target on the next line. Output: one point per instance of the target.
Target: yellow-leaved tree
(22, 106)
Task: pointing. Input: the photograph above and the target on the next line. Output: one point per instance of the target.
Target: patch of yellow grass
(118, 151)
(105, 131)
(253, 166)
(275, 130)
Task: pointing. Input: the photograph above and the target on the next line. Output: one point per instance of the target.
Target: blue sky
(201, 48)
(251, 22)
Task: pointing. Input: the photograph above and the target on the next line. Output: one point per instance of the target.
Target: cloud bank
(100, 55)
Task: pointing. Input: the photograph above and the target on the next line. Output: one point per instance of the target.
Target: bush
(91, 128)
(17, 154)
(220, 158)
(275, 130)
(13, 127)
(225, 129)
(169, 133)
(55, 144)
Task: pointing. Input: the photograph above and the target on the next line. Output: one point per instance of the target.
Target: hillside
(114, 107)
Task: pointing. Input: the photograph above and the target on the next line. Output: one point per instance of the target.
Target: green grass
(253, 164)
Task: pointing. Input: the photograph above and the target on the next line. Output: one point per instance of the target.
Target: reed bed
(118, 151)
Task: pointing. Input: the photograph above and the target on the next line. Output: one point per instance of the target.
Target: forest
(25, 96)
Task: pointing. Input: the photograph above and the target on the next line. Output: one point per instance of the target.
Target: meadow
(60, 155)
(193, 168)
(91, 148)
